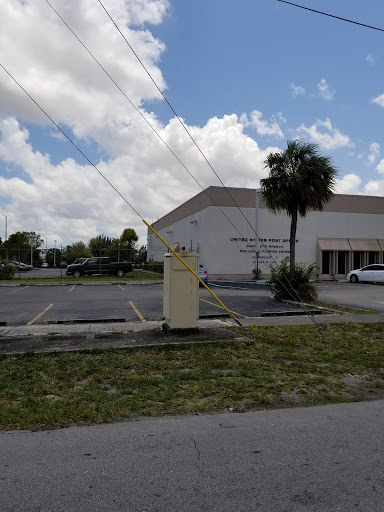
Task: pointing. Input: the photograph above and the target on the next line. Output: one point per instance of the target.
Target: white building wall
(228, 253)
(275, 231)
(211, 234)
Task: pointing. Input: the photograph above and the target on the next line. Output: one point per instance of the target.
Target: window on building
(373, 257)
(357, 259)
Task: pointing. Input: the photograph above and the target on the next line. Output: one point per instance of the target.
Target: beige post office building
(347, 234)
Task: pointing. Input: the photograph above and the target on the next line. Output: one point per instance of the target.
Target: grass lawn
(272, 367)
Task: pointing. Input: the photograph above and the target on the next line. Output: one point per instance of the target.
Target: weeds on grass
(273, 367)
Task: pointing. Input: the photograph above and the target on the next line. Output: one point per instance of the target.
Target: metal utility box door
(181, 291)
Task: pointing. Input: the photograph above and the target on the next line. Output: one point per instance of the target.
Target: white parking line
(19, 290)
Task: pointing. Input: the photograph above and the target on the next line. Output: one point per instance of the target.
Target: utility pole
(46, 246)
(54, 255)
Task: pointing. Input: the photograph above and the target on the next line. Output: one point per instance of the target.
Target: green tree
(53, 255)
(76, 250)
(18, 239)
(141, 255)
(129, 238)
(18, 246)
(300, 180)
(99, 244)
(127, 244)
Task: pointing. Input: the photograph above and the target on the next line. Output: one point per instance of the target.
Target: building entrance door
(342, 262)
(326, 262)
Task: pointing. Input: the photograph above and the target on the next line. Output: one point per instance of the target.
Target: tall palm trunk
(292, 241)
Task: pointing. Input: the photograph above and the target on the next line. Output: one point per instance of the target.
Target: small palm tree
(300, 180)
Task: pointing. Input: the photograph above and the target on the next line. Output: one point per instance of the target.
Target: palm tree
(300, 180)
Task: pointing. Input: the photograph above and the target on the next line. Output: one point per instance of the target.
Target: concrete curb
(105, 328)
(82, 283)
(54, 338)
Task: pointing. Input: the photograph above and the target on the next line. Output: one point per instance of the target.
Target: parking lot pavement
(121, 301)
(102, 307)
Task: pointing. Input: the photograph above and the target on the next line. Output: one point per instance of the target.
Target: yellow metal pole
(193, 272)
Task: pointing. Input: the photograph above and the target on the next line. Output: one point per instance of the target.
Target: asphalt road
(316, 459)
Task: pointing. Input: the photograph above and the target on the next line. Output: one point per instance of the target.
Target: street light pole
(54, 255)
(6, 222)
(32, 239)
(46, 245)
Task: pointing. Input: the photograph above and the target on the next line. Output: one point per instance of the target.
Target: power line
(114, 188)
(154, 130)
(292, 291)
(294, 294)
(141, 114)
(331, 15)
(175, 113)
(109, 183)
(70, 140)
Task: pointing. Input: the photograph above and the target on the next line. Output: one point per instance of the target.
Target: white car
(370, 273)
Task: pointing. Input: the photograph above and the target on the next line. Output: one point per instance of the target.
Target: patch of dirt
(364, 387)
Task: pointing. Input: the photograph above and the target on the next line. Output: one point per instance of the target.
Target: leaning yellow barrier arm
(192, 271)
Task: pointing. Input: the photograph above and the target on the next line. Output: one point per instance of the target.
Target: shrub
(7, 271)
(295, 284)
(154, 266)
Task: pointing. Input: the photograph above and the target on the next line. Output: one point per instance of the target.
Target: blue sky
(254, 55)
(245, 77)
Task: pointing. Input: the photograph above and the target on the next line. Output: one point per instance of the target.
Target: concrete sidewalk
(57, 337)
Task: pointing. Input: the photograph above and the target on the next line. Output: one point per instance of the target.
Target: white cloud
(70, 201)
(297, 90)
(352, 184)
(380, 166)
(324, 134)
(374, 152)
(324, 91)
(263, 127)
(51, 64)
(374, 188)
(349, 184)
(370, 59)
(379, 100)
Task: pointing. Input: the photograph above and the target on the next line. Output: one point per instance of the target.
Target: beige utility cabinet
(181, 291)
